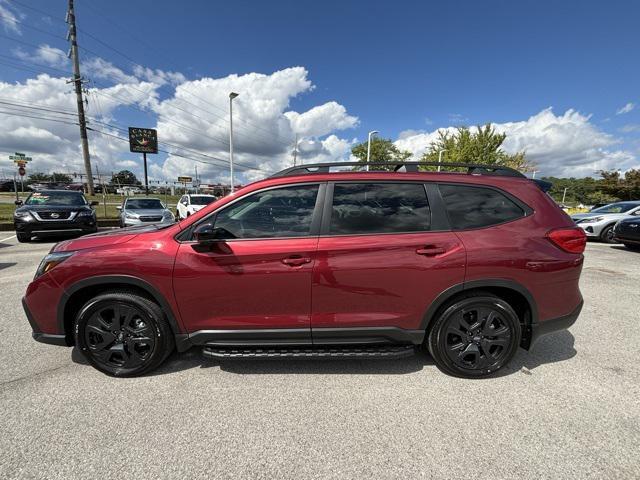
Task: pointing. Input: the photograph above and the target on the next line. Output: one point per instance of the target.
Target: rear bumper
(48, 338)
(554, 325)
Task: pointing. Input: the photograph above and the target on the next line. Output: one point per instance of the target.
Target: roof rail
(472, 168)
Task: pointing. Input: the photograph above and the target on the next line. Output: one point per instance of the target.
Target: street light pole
(232, 95)
(440, 157)
(372, 132)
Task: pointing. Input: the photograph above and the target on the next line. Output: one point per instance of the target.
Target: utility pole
(77, 80)
(564, 195)
(295, 151)
(232, 95)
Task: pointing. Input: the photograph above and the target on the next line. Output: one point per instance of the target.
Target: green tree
(482, 146)
(38, 177)
(383, 150)
(124, 177)
(60, 177)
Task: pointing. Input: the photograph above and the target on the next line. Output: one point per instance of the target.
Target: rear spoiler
(543, 184)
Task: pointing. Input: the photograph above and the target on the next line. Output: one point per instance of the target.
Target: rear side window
(361, 208)
(476, 207)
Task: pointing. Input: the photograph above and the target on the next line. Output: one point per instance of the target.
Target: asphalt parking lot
(568, 409)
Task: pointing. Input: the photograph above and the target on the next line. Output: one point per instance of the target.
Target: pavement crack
(31, 376)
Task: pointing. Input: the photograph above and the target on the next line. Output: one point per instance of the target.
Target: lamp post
(440, 157)
(232, 95)
(371, 133)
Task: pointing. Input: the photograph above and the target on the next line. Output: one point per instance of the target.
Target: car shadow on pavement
(552, 348)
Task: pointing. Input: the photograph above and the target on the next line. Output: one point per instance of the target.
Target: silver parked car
(599, 222)
(144, 211)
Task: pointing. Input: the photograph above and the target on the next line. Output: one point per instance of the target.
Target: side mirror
(94, 203)
(18, 202)
(119, 207)
(207, 233)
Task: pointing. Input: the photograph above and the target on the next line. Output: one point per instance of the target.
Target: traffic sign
(143, 140)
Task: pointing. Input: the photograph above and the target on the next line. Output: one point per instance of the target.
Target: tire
(607, 235)
(23, 237)
(138, 343)
(632, 246)
(461, 326)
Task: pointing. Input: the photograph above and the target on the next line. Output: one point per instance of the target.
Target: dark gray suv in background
(54, 212)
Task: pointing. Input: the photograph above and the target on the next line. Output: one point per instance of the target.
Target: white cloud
(626, 109)
(560, 145)
(158, 76)
(55, 146)
(8, 18)
(630, 128)
(197, 117)
(54, 57)
(321, 120)
(96, 67)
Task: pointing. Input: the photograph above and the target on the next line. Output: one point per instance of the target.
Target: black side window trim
(526, 209)
(187, 234)
(325, 228)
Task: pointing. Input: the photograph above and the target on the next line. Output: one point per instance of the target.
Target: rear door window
(477, 207)
(365, 208)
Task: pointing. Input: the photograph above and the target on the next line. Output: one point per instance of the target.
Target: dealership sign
(143, 140)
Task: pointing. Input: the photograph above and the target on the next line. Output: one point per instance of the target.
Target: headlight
(592, 220)
(51, 261)
(131, 215)
(23, 215)
(168, 215)
(85, 213)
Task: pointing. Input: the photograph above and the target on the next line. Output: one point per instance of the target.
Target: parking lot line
(8, 238)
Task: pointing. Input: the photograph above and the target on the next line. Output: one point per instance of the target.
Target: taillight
(572, 239)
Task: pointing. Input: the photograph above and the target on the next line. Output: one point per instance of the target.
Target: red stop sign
(21, 171)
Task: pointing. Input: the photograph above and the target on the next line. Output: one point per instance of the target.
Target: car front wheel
(23, 237)
(474, 336)
(123, 334)
(607, 235)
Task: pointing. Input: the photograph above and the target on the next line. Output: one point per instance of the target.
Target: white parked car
(191, 203)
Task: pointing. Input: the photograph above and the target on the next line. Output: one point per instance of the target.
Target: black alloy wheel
(607, 235)
(123, 334)
(475, 336)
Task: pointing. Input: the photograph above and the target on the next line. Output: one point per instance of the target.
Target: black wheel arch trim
(449, 293)
(106, 280)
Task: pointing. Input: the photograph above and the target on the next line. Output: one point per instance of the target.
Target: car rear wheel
(23, 237)
(474, 336)
(607, 235)
(123, 334)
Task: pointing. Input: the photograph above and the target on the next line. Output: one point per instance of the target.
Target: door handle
(430, 251)
(296, 261)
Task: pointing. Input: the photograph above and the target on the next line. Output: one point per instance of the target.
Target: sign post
(20, 159)
(143, 140)
(184, 181)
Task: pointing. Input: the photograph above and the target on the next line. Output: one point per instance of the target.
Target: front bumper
(554, 325)
(48, 338)
(135, 222)
(592, 229)
(78, 225)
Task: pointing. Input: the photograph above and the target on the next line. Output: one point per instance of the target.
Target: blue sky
(395, 66)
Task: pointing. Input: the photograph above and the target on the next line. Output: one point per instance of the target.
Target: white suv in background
(189, 204)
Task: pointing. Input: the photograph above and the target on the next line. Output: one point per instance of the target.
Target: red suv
(313, 262)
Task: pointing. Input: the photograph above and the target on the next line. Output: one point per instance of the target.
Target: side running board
(364, 352)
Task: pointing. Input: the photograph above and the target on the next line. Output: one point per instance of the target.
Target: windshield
(202, 200)
(621, 207)
(56, 198)
(144, 204)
